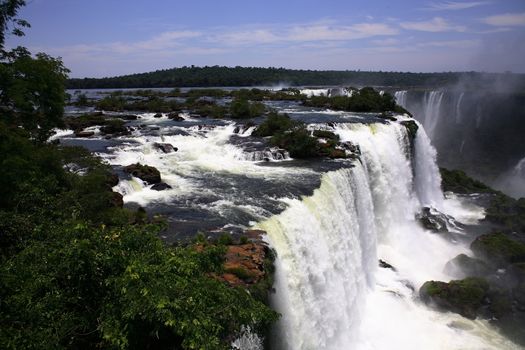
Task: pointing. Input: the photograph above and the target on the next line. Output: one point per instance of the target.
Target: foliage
(241, 108)
(499, 248)
(251, 76)
(273, 124)
(457, 181)
(119, 288)
(462, 296)
(32, 92)
(298, 142)
(364, 100)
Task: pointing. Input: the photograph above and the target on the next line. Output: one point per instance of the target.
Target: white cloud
(304, 33)
(455, 5)
(437, 24)
(385, 42)
(505, 20)
(458, 44)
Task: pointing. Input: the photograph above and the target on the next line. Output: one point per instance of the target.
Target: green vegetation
(300, 142)
(462, 296)
(364, 100)
(457, 181)
(499, 248)
(251, 76)
(77, 270)
(241, 108)
(275, 123)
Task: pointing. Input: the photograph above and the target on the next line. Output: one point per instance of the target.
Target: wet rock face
(161, 186)
(82, 133)
(434, 220)
(146, 173)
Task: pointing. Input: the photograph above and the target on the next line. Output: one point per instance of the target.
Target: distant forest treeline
(251, 76)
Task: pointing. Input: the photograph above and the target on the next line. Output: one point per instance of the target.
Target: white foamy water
(329, 289)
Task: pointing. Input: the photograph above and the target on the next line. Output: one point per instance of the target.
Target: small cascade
(267, 155)
(314, 92)
(401, 98)
(432, 109)
(427, 176)
(458, 108)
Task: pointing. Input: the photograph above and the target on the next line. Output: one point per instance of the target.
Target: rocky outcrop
(464, 297)
(165, 147)
(463, 265)
(499, 249)
(161, 186)
(84, 133)
(146, 173)
(436, 221)
(411, 127)
(114, 127)
(158, 115)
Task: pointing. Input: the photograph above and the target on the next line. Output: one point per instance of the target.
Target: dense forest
(252, 76)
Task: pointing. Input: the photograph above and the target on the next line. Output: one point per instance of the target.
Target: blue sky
(99, 38)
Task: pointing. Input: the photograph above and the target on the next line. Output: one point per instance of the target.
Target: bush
(273, 124)
(298, 142)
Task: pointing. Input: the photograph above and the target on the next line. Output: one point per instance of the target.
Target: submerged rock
(146, 173)
(383, 264)
(161, 186)
(464, 297)
(176, 117)
(165, 147)
(83, 133)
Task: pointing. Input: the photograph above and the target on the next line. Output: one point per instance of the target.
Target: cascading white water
(328, 287)
(401, 98)
(326, 262)
(427, 177)
(458, 108)
(314, 92)
(432, 108)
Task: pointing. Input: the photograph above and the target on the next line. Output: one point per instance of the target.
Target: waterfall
(326, 247)
(432, 107)
(401, 98)
(329, 290)
(428, 178)
(458, 108)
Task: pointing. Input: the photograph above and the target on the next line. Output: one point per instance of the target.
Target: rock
(112, 180)
(324, 134)
(175, 116)
(349, 146)
(464, 297)
(165, 147)
(463, 265)
(161, 186)
(499, 248)
(383, 264)
(435, 221)
(157, 115)
(83, 133)
(411, 127)
(117, 200)
(114, 127)
(146, 173)
(128, 117)
(337, 153)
